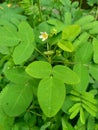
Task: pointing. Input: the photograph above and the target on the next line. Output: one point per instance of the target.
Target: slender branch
(37, 114)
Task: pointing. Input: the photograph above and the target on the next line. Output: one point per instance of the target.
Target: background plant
(49, 84)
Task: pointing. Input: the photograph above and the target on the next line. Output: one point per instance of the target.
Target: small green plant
(48, 66)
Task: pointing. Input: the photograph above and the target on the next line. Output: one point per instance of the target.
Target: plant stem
(39, 7)
(96, 17)
(35, 113)
(41, 53)
(81, 1)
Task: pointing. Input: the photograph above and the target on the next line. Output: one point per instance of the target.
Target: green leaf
(84, 53)
(83, 73)
(49, 96)
(93, 69)
(4, 22)
(5, 120)
(67, 104)
(4, 50)
(71, 32)
(8, 36)
(42, 27)
(74, 113)
(65, 45)
(89, 97)
(82, 117)
(68, 18)
(95, 48)
(65, 74)
(56, 23)
(92, 2)
(79, 125)
(90, 26)
(74, 107)
(91, 105)
(67, 2)
(75, 98)
(48, 3)
(66, 125)
(20, 125)
(10, 14)
(39, 69)
(91, 123)
(94, 30)
(17, 99)
(15, 74)
(24, 50)
(88, 109)
(85, 19)
(82, 39)
(45, 126)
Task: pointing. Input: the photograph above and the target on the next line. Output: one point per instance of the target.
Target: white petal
(41, 36)
(43, 39)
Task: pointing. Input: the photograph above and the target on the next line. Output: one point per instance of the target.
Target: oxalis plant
(48, 65)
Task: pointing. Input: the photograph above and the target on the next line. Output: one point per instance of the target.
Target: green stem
(96, 17)
(41, 53)
(37, 114)
(39, 8)
(64, 62)
(81, 1)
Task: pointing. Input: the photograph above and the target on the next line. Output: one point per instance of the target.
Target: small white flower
(43, 36)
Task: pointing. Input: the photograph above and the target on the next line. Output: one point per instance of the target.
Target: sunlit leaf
(83, 73)
(84, 53)
(16, 100)
(65, 45)
(8, 36)
(49, 96)
(26, 47)
(5, 120)
(65, 74)
(84, 20)
(39, 69)
(71, 32)
(15, 74)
